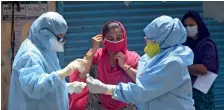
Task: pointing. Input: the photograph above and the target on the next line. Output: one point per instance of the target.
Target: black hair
(202, 28)
(190, 16)
(109, 26)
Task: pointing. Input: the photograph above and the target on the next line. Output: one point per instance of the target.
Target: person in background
(205, 59)
(111, 64)
(163, 81)
(37, 81)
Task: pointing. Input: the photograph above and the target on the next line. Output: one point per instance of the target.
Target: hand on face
(96, 41)
(121, 59)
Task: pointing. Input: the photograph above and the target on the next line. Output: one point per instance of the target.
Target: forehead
(61, 35)
(116, 31)
(190, 20)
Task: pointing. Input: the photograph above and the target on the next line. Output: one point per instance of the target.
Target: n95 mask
(192, 31)
(56, 45)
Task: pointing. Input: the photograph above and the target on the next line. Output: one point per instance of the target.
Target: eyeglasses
(148, 40)
(61, 39)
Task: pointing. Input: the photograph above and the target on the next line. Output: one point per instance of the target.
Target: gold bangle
(87, 56)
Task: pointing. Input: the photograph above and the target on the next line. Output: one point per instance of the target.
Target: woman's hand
(121, 59)
(197, 69)
(96, 41)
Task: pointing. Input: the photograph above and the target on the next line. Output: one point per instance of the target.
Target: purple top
(205, 50)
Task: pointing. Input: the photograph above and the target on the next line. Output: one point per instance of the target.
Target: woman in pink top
(113, 64)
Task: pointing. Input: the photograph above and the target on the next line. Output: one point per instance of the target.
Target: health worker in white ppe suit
(163, 81)
(37, 81)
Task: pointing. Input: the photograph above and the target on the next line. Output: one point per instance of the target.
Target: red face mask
(113, 46)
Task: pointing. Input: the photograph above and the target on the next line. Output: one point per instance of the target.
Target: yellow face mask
(151, 48)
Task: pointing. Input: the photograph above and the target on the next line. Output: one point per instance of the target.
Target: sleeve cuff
(118, 93)
(56, 78)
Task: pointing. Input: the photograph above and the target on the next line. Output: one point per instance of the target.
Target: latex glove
(76, 64)
(97, 87)
(75, 87)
